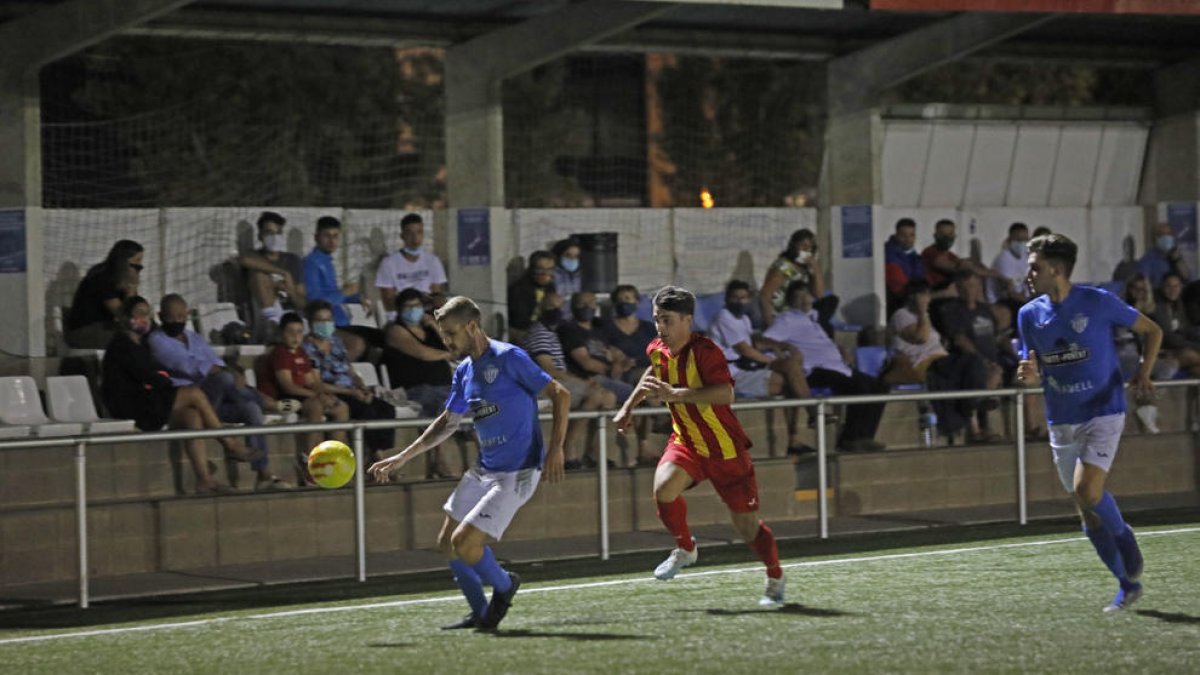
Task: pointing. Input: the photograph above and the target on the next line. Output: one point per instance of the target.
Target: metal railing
(357, 428)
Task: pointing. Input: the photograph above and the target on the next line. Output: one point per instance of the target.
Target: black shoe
(468, 621)
(499, 605)
(801, 449)
(572, 465)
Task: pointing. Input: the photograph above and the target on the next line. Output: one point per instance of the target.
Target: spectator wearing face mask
(275, 277)
(627, 332)
(1010, 266)
(568, 278)
(1163, 258)
(902, 263)
(941, 262)
(798, 262)
(411, 267)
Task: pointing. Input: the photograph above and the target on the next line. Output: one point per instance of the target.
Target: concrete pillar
(26, 44)
(1173, 162)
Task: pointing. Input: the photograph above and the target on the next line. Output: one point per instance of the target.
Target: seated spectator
(320, 283)
(902, 263)
(417, 360)
(1127, 268)
(941, 262)
(411, 267)
(275, 277)
(758, 374)
(525, 295)
(135, 387)
(1181, 336)
(543, 345)
(797, 327)
(1006, 354)
(1140, 295)
(1163, 258)
(1040, 231)
(91, 322)
(332, 362)
(798, 262)
(568, 278)
(969, 328)
(589, 356)
(190, 361)
(287, 372)
(1010, 267)
(627, 333)
(920, 358)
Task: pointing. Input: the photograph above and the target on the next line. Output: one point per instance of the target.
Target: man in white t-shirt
(411, 267)
(797, 326)
(757, 374)
(1010, 266)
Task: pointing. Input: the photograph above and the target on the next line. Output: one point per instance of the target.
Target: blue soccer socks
(472, 586)
(491, 572)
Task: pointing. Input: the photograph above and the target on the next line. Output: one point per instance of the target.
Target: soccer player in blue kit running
(1067, 330)
(497, 384)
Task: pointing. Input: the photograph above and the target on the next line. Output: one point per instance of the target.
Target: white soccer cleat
(773, 594)
(1125, 598)
(678, 560)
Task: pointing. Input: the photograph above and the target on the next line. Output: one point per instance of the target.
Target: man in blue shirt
(189, 360)
(321, 283)
(1067, 334)
(1162, 257)
(497, 385)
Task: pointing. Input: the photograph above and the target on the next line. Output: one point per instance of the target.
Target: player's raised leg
(670, 480)
(1110, 535)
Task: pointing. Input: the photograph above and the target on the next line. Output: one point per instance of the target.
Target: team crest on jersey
(490, 373)
(1079, 323)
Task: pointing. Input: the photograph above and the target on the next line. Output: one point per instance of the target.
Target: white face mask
(274, 243)
(803, 256)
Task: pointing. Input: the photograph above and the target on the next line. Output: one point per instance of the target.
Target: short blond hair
(459, 308)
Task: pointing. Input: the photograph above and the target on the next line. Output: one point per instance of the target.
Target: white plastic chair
(59, 337)
(269, 417)
(21, 405)
(9, 431)
(358, 315)
(70, 400)
(367, 373)
(211, 317)
(384, 377)
(382, 316)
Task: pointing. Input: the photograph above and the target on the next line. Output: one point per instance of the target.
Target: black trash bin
(598, 260)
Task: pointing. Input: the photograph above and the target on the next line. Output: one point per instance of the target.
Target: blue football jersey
(1074, 345)
(499, 389)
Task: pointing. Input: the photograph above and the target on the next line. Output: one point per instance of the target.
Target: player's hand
(382, 470)
(1027, 370)
(1143, 387)
(554, 470)
(656, 389)
(623, 420)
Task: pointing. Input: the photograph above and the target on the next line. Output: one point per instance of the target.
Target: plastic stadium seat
(871, 359)
(367, 373)
(70, 400)
(11, 431)
(21, 405)
(384, 377)
(212, 317)
(358, 315)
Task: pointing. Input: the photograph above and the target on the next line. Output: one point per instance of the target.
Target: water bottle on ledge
(927, 423)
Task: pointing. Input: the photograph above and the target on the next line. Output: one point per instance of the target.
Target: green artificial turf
(1014, 604)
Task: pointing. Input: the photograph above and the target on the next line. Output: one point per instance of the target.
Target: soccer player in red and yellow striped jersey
(689, 373)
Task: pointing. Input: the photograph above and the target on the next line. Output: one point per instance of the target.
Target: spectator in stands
(525, 295)
(332, 362)
(412, 267)
(543, 345)
(798, 262)
(1181, 336)
(135, 387)
(417, 360)
(287, 372)
(902, 263)
(91, 321)
(588, 355)
(275, 277)
(1039, 231)
(629, 334)
(1163, 258)
(1009, 267)
(969, 328)
(1140, 295)
(798, 327)
(320, 283)
(1128, 267)
(757, 373)
(1006, 354)
(190, 361)
(568, 278)
(941, 262)
(920, 358)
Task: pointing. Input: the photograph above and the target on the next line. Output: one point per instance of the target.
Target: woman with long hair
(92, 320)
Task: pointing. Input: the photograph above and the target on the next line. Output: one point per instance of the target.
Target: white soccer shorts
(488, 500)
(1092, 442)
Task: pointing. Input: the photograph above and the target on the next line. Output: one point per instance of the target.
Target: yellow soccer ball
(331, 464)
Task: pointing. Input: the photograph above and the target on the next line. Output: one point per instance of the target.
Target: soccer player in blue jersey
(497, 385)
(1067, 335)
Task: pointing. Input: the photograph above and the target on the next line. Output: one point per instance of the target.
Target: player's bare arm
(1027, 370)
(1153, 336)
(442, 428)
(624, 416)
(720, 393)
(560, 398)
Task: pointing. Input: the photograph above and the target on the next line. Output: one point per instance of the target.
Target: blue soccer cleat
(1125, 598)
(678, 560)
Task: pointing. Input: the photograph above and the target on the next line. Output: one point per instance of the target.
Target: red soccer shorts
(733, 479)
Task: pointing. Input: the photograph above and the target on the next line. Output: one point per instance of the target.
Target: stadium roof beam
(27, 43)
(476, 69)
